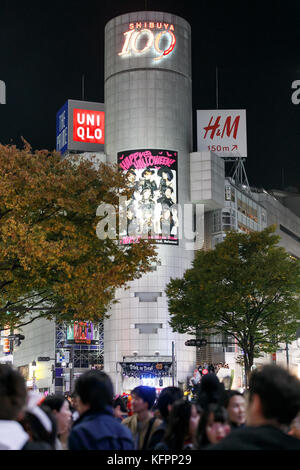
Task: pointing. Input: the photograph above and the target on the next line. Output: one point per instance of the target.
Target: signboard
(222, 132)
(80, 127)
(62, 129)
(139, 369)
(80, 332)
(6, 341)
(154, 37)
(152, 213)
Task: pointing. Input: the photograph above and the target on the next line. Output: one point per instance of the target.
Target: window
(148, 296)
(148, 328)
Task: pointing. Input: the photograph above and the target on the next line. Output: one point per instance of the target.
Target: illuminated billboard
(222, 131)
(82, 332)
(152, 212)
(80, 127)
(154, 37)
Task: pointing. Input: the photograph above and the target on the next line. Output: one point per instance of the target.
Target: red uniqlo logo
(88, 126)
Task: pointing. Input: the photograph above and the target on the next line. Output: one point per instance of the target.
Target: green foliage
(52, 264)
(247, 287)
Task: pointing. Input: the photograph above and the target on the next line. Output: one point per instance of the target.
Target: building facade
(148, 132)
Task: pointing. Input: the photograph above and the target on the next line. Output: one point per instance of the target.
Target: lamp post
(33, 365)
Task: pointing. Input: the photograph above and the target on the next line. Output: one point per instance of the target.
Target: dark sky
(46, 47)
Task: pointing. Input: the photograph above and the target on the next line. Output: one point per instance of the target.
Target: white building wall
(39, 341)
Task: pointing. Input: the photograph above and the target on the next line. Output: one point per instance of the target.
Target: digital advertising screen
(152, 212)
(80, 332)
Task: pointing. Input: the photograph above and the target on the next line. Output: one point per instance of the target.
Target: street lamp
(33, 365)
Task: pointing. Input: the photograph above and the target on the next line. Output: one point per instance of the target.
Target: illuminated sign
(143, 37)
(88, 126)
(6, 341)
(80, 127)
(222, 132)
(152, 213)
(62, 129)
(146, 369)
(82, 332)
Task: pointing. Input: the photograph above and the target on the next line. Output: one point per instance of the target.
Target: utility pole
(71, 367)
(173, 364)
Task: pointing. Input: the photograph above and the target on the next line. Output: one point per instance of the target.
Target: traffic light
(196, 342)
(18, 339)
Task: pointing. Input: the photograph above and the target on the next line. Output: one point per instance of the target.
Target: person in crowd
(295, 427)
(73, 406)
(97, 428)
(273, 403)
(39, 422)
(120, 410)
(213, 426)
(60, 408)
(13, 399)
(181, 427)
(142, 423)
(164, 405)
(235, 404)
(210, 390)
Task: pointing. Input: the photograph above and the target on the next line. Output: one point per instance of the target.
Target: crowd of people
(265, 417)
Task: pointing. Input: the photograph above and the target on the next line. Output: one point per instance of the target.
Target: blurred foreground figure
(13, 398)
(273, 403)
(97, 428)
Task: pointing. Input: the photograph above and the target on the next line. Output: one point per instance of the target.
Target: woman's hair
(54, 402)
(220, 416)
(40, 424)
(178, 424)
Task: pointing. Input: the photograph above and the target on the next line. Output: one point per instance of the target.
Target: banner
(152, 213)
(222, 132)
(139, 369)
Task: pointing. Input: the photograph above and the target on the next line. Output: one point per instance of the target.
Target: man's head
(235, 404)
(13, 393)
(94, 391)
(166, 399)
(274, 396)
(143, 398)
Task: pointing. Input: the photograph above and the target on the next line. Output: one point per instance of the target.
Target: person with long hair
(181, 427)
(213, 426)
(59, 405)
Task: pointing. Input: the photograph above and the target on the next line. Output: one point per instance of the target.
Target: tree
(52, 264)
(246, 288)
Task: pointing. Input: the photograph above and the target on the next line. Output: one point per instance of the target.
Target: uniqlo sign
(88, 126)
(222, 132)
(80, 127)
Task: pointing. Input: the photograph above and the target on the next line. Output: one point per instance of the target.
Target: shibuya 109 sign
(145, 36)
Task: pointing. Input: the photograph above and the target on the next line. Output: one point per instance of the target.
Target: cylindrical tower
(148, 105)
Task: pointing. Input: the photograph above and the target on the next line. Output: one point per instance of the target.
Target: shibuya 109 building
(148, 131)
(145, 126)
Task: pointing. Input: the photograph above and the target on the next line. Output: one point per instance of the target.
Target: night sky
(46, 47)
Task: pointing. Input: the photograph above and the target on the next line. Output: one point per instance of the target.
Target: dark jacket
(257, 438)
(158, 435)
(100, 431)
